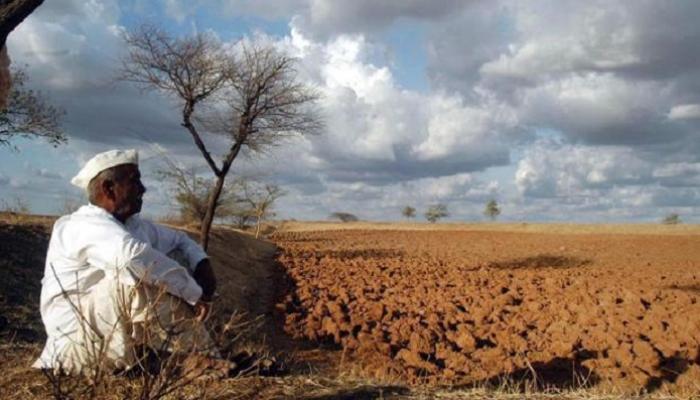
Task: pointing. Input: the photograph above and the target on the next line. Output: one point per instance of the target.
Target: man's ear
(107, 187)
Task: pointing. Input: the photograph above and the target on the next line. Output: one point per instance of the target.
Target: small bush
(671, 219)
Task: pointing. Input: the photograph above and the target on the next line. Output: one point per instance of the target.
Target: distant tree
(344, 217)
(29, 115)
(436, 212)
(671, 219)
(260, 200)
(408, 212)
(492, 210)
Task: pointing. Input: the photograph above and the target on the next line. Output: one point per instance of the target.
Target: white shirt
(91, 245)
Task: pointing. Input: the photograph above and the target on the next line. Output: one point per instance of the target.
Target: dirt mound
(449, 307)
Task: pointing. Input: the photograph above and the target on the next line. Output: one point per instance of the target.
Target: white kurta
(88, 251)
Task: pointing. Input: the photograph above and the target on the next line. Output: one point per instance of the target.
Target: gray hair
(114, 174)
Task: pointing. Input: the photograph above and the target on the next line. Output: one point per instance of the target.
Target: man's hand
(204, 276)
(202, 309)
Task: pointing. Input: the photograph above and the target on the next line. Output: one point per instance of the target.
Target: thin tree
(492, 210)
(436, 212)
(261, 200)
(251, 96)
(408, 212)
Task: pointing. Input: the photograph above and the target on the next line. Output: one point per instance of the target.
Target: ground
(365, 310)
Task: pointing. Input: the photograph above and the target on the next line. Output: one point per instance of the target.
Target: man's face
(128, 191)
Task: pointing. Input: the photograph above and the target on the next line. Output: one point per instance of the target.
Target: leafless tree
(261, 199)
(251, 95)
(29, 115)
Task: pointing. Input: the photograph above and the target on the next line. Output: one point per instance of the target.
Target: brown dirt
(454, 306)
(421, 306)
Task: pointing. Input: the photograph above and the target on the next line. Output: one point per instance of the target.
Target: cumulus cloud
(380, 132)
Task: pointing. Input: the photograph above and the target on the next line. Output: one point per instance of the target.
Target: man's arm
(114, 248)
(167, 240)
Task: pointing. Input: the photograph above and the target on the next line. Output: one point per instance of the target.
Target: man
(109, 286)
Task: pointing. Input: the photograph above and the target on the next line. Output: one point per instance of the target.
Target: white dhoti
(116, 321)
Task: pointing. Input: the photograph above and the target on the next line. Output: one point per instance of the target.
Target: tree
(192, 192)
(408, 212)
(261, 200)
(22, 112)
(435, 212)
(251, 96)
(12, 13)
(671, 219)
(29, 115)
(344, 217)
(492, 210)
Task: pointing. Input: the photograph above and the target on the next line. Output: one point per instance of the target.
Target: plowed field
(466, 306)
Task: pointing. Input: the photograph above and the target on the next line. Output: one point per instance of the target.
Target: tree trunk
(12, 13)
(214, 198)
(211, 211)
(257, 228)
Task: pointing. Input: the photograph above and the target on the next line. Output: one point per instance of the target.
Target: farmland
(370, 310)
(565, 306)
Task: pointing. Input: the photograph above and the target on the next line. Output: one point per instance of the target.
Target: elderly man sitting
(109, 286)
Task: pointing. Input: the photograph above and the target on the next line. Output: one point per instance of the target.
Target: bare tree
(29, 115)
(251, 96)
(261, 199)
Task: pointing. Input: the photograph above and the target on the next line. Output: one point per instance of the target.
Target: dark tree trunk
(211, 211)
(215, 194)
(12, 13)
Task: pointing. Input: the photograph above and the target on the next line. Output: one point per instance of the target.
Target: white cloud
(684, 111)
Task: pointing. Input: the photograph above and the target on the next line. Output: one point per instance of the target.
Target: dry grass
(523, 227)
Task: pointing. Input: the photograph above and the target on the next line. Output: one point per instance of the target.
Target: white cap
(101, 162)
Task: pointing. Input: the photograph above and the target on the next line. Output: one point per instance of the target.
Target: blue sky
(566, 111)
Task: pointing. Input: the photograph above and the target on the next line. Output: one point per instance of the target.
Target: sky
(560, 111)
